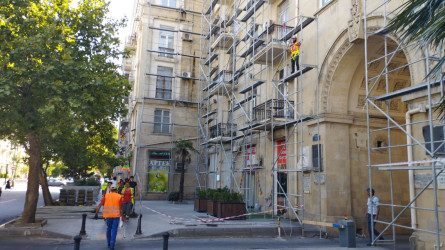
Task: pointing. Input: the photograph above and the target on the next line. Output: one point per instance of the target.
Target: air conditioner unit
(187, 37)
(180, 166)
(267, 24)
(186, 74)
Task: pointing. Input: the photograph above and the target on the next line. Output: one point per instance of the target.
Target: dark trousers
(376, 233)
(293, 62)
(112, 224)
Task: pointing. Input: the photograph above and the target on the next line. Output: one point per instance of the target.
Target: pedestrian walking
(373, 210)
(8, 185)
(133, 184)
(120, 186)
(128, 200)
(104, 187)
(295, 54)
(108, 189)
(112, 212)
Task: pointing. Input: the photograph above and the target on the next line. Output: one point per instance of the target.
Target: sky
(120, 9)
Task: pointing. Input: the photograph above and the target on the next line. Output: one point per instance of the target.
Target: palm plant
(422, 20)
(183, 150)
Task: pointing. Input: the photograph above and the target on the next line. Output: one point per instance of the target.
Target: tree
(422, 20)
(57, 73)
(182, 152)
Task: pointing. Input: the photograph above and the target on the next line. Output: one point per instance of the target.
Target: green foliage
(86, 182)
(224, 195)
(173, 196)
(201, 194)
(423, 20)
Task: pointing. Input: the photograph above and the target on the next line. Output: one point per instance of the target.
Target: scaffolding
(162, 105)
(251, 115)
(420, 128)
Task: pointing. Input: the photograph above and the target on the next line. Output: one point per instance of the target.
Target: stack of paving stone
(62, 197)
(81, 197)
(71, 197)
(89, 198)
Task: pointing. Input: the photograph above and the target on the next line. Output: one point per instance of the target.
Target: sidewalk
(180, 220)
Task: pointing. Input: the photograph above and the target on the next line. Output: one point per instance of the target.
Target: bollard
(165, 236)
(347, 233)
(139, 230)
(82, 230)
(77, 240)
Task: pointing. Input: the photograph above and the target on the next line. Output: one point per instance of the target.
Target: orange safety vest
(295, 50)
(112, 205)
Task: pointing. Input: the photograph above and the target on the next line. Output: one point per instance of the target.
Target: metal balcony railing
(223, 130)
(273, 108)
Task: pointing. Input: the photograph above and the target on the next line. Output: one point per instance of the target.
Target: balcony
(272, 109)
(222, 131)
(223, 39)
(273, 49)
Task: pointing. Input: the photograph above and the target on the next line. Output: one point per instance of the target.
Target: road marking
(7, 201)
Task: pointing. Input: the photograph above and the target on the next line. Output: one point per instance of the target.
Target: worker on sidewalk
(373, 210)
(112, 212)
(295, 54)
(127, 200)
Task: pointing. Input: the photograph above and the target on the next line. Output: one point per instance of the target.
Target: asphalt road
(185, 244)
(12, 201)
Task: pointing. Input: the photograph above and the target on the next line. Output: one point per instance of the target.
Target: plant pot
(231, 209)
(211, 207)
(200, 205)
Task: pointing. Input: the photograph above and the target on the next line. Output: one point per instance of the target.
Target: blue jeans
(112, 225)
(376, 233)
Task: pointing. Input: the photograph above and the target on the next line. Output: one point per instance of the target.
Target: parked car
(55, 182)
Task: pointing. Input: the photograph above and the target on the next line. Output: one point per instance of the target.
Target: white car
(55, 182)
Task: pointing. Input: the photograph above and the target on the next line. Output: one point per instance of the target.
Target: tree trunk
(45, 189)
(181, 182)
(32, 192)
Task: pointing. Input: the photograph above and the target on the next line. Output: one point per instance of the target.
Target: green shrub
(86, 182)
(201, 194)
(173, 196)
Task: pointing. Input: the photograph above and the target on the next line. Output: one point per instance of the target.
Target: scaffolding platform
(305, 68)
(256, 84)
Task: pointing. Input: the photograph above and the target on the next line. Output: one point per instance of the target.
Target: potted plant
(200, 201)
(231, 204)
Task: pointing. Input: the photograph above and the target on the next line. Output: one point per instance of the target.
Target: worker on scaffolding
(295, 54)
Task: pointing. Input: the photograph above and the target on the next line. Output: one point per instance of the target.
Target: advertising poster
(158, 168)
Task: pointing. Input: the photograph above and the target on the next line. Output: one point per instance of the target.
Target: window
(162, 121)
(169, 3)
(283, 18)
(166, 42)
(324, 2)
(164, 83)
(317, 157)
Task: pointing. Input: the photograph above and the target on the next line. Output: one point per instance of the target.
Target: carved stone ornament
(355, 29)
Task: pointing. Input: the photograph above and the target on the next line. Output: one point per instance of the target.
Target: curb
(14, 232)
(228, 232)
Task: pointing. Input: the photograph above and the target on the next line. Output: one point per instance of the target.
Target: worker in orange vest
(112, 212)
(295, 54)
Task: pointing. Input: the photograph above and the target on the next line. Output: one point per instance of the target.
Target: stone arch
(341, 47)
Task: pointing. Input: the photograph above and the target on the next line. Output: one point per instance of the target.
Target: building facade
(357, 112)
(162, 68)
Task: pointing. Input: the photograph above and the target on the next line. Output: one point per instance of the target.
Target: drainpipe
(409, 141)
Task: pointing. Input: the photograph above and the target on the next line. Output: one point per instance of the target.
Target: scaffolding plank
(251, 48)
(212, 57)
(213, 31)
(408, 90)
(209, 114)
(302, 119)
(212, 5)
(256, 84)
(304, 69)
(213, 84)
(298, 28)
(252, 10)
(238, 105)
(232, 19)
